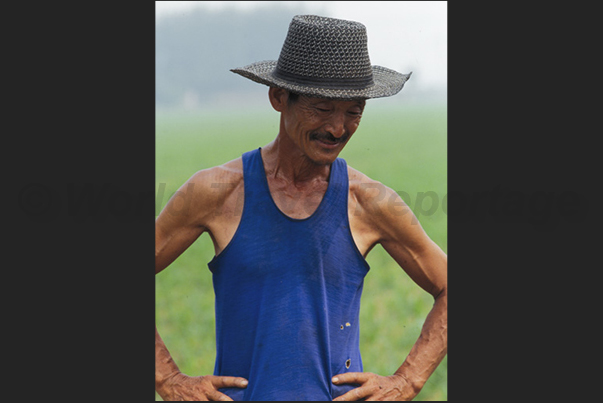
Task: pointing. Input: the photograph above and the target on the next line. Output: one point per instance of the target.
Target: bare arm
(400, 234)
(185, 217)
(432, 345)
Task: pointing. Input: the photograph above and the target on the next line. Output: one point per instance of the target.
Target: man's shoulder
(230, 172)
(379, 210)
(361, 186)
(218, 181)
(356, 177)
(371, 196)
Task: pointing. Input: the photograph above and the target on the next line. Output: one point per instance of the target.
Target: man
(292, 224)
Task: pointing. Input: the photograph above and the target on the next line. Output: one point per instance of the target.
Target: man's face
(321, 127)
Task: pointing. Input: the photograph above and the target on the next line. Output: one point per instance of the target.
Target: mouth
(327, 141)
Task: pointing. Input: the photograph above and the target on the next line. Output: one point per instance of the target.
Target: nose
(336, 125)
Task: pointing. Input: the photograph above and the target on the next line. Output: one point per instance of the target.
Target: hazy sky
(402, 35)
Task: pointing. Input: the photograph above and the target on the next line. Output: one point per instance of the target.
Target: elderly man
(292, 224)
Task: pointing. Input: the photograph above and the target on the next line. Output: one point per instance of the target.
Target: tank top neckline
(320, 207)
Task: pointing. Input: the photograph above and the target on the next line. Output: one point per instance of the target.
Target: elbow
(441, 293)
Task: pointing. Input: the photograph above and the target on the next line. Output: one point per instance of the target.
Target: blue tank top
(288, 294)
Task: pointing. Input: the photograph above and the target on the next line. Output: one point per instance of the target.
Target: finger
(228, 382)
(353, 395)
(350, 377)
(216, 396)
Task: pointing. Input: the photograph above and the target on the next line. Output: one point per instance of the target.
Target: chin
(323, 155)
(324, 158)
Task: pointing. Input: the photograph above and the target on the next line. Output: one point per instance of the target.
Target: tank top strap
(336, 197)
(254, 177)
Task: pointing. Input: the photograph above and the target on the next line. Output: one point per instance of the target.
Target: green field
(402, 146)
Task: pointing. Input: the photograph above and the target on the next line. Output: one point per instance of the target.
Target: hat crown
(321, 48)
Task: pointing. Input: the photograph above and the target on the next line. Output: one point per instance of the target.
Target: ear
(278, 98)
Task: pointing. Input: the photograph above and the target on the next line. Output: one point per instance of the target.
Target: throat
(296, 200)
(297, 185)
(282, 158)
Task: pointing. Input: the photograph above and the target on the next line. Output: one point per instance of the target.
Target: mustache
(329, 137)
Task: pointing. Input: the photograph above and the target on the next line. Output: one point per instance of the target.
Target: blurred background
(207, 115)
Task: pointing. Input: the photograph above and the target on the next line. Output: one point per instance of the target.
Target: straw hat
(326, 58)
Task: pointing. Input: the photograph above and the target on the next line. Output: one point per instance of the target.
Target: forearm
(431, 346)
(165, 367)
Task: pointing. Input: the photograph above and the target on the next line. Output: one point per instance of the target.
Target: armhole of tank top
(217, 257)
(347, 218)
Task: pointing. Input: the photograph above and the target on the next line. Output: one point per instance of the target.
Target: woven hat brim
(386, 82)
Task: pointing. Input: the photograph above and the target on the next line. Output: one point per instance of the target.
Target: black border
(80, 288)
(522, 291)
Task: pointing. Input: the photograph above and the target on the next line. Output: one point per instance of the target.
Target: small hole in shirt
(347, 363)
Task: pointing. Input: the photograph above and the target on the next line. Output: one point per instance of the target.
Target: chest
(294, 202)
(298, 202)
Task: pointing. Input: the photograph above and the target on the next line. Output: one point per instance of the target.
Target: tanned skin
(312, 133)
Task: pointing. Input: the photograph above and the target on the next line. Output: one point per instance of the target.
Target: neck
(284, 160)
